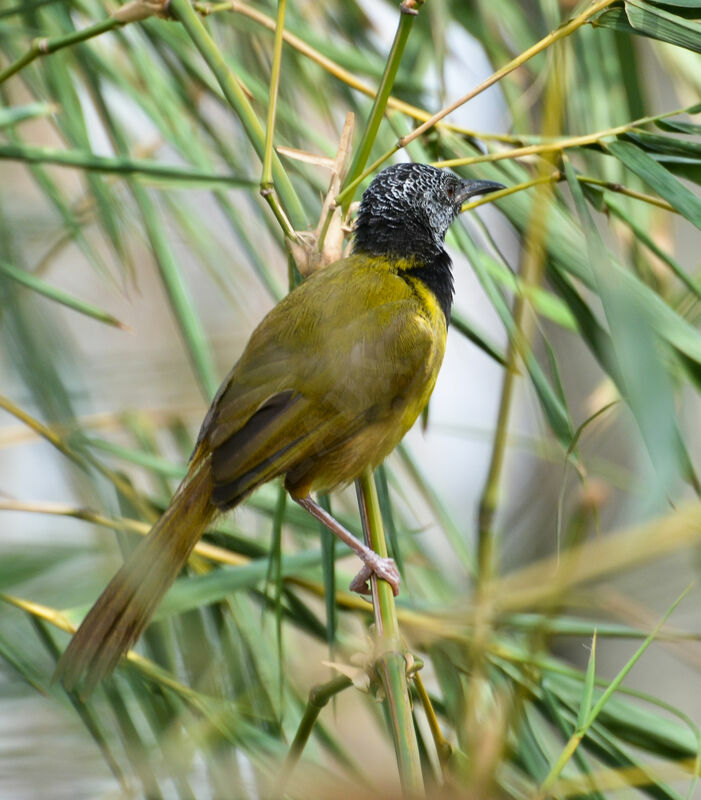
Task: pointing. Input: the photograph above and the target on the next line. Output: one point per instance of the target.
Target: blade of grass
(266, 181)
(576, 738)
(659, 178)
(588, 692)
(637, 357)
(36, 284)
(16, 114)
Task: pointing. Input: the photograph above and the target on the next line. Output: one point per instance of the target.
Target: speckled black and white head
(407, 209)
(405, 214)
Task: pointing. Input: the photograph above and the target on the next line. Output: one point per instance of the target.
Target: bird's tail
(125, 607)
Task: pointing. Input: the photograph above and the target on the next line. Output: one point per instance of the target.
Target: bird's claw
(383, 568)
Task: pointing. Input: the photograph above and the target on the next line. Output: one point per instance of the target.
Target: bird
(326, 387)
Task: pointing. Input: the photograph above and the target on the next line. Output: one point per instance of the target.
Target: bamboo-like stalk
(266, 181)
(43, 47)
(267, 188)
(118, 165)
(239, 102)
(532, 269)
(390, 663)
(362, 153)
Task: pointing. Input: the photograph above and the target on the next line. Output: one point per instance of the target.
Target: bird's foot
(383, 568)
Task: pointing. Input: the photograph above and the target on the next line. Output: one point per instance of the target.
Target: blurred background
(136, 257)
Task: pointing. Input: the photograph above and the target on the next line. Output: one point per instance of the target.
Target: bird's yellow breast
(387, 365)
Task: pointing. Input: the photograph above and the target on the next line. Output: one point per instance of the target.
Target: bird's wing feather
(314, 373)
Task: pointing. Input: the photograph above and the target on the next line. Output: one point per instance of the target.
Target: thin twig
(547, 41)
(531, 273)
(443, 746)
(555, 177)
(43, 47)
(118, 165)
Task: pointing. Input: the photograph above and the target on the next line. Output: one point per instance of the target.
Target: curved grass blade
(649, 20)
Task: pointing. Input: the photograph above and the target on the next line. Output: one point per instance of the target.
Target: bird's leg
(373, 564)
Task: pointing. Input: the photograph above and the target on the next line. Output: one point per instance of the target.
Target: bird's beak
(470, 189)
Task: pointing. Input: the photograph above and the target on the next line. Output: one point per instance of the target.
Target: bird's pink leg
(384, 568)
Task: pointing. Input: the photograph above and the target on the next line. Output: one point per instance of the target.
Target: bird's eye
(450, 191)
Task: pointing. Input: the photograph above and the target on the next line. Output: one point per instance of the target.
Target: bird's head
(408, 208)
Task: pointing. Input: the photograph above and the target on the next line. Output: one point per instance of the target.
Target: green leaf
(679, 127)
(633, 660)
(613, 202)
(543, 301)
(656, 23)
(555, 411)
(658, 178)
(189, 593)
(679, 3)
(655, 143)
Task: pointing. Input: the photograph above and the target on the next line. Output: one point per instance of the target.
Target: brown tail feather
(125, 607)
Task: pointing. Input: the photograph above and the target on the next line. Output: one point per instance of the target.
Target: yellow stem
(556, 145)
(556, 175)
(554, 36)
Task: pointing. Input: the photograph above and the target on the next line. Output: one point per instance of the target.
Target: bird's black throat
(404, 216)
(410, 242)
(436, 276)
